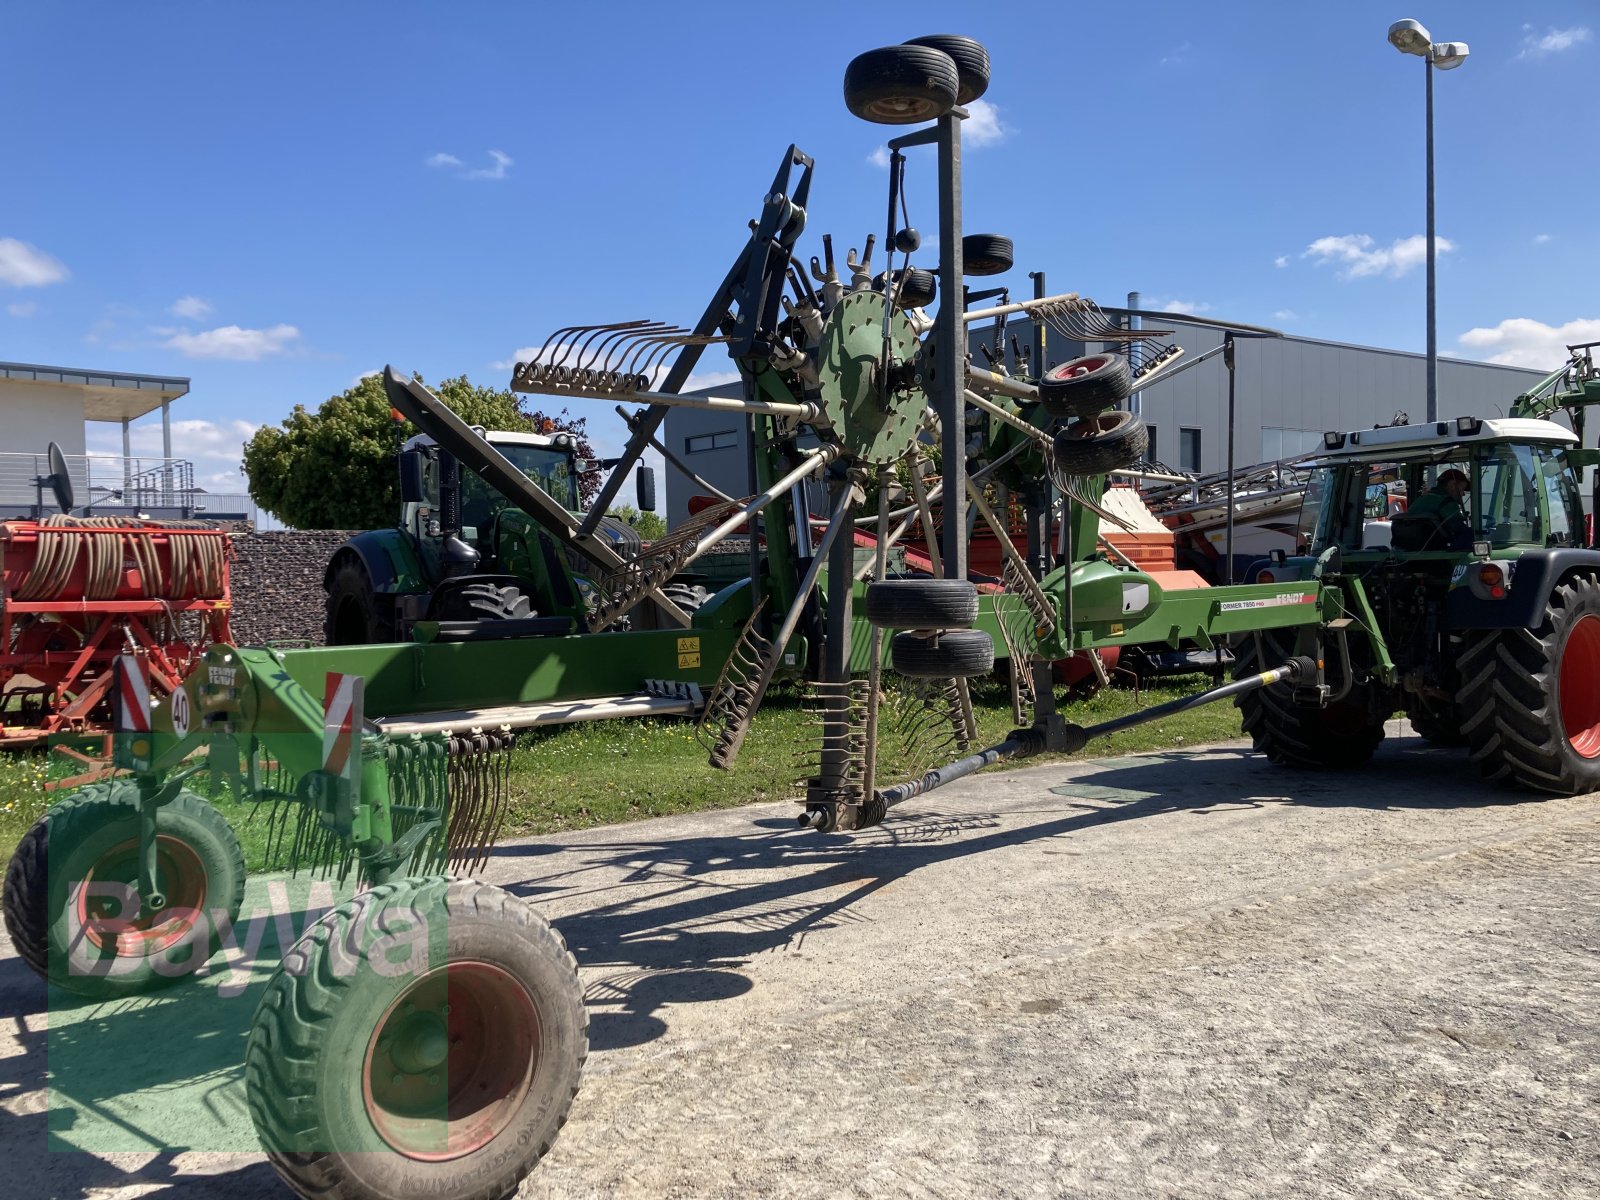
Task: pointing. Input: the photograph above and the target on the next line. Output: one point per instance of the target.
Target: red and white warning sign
(133, 695)
(341, 729)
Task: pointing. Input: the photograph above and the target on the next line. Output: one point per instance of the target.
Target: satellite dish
(60, 481)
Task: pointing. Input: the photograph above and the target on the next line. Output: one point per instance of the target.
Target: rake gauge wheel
(953, 654)
(986, 254)
(1100, 445)
(922, 604)
(1083, 387)
(918, 290)
(901, 85)
(971, 59)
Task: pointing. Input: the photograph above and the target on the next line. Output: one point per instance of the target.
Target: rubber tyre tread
(922, 604)
(986, 254)
(31, 907)
(351, 582)
(1106, 383)
(324, 985)
(955, 654)
(1508, 702)
(485, 602)
(1290, 734)
(1122, 438)
(1437, 729)
(970, 57)
(901, 85)
(919, 290)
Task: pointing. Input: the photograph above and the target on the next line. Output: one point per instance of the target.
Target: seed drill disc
(874, 428)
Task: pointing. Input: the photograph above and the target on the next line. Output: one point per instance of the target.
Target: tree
(335, 468)
(650, 525)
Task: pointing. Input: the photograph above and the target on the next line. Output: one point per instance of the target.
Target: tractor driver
(1443, 502)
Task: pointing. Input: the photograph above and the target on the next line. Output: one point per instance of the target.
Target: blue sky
(275, 199)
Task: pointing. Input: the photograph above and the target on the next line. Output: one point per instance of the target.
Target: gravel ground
(1176, 975)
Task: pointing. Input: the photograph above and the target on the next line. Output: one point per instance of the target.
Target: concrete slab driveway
(1175, 975)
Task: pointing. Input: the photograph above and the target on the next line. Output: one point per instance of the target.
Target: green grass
(576, 776)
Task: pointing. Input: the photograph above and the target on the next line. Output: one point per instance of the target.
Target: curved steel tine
(586, 332)
(647, 346)
(607, 349)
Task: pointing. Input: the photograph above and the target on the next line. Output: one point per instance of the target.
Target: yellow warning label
(688, 660)
(689, 645)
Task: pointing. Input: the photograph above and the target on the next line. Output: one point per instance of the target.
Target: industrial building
(1287, 390)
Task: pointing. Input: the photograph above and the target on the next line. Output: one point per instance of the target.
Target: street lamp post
(1411, 37)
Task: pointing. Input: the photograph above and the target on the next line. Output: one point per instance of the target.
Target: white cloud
(982, 126)
(444, 160)
(232, 342)
(1361, 256)
(191, 308)
(23, 308)
(1188, 308)
(520, 354)
(22, 265)
(1523, 342)
(497, 171)
(1177, 57)
(879, 157)
(1286, 314)
(706, 379)
(1540, 239)
(1552, 41)
(214, 447)
(499, 164)
(1281, 261)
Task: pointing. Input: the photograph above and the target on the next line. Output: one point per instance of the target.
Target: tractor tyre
(1100, 445)
(1530, 698)
(70, 879)
(687, 596)
(917, 288)
(901, 85)
(1437, 728)
(985, 254)
(954, 654)
(1084, 387)
(353, 617)
(922, 604)
(1343, 734)
(485, 602)
(424, 1039)
(970, 57)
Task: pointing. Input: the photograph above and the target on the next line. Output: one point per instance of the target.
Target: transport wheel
(69, 891)
(1342, 734)
(1102, 444)
(1530, 698)
(970, 57)
(918, 291)
(485, 602)
(953, 654)
(425, 1039)
(1085, 386)
(985, 254)
(901, 85)
(922, 604)
(353, 617)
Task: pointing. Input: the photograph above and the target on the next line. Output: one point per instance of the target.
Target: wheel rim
(903, 110)
(180, 877)
(451, 1061)
(1580, 686)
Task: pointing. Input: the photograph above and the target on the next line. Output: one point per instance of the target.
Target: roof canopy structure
(107, 395)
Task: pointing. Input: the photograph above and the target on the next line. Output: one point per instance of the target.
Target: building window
(725, 439)
(1189, 450)
(1279, 443)
(1151, 454)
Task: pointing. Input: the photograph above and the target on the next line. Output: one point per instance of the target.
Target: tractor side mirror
(645, 486)
(413, 485)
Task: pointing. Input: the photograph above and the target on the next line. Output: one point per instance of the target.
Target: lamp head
(1449, 55)
(1410, 37)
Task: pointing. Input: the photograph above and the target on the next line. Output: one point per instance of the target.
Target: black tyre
(1101, 444)
(922, 604)
(687, 596)
(484, 602)
(69, 886)
(970, 57)
(1342, 734)
(919, 289)
(353, 616)
(953, 654)
(1530, 698)
(1439, 728)
(901, 85)
(424, 1039)
(985, 254)
(1085, 386)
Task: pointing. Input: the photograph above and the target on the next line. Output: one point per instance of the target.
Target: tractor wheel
(1083, 387)
(985, 254)
(918, 291)
(687, 596)
(922, 604)
(970, 57)
(1530, 698)
(954, 654)
(425, 1039)
(485, 602)
(1344, 734)
(353, 616)
(1100, 445)
(70, 879)
(901, 85)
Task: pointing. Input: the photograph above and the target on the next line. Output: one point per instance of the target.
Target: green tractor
(1481, 609)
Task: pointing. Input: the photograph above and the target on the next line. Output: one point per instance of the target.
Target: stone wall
(277, 584)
